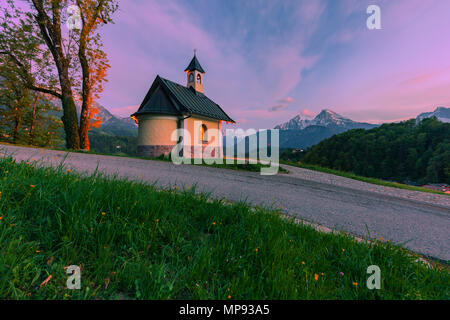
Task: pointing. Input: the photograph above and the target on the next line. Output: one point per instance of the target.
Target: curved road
(423, 227)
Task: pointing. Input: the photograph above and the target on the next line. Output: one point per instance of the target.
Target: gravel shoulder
(317, 176)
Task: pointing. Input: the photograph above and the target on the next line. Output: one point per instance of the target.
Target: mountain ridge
(326, 118)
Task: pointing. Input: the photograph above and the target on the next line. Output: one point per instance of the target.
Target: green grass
(351, 175)
(147, 243)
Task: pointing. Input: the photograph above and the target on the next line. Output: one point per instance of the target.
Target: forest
(408, 152)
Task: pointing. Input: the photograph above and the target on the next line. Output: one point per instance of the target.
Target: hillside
(172, 244)
(403, 152)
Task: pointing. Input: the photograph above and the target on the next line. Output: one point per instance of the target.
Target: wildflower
(341, 273)
(381, 239)
(11, 225)
(6, 171)
(316, 276)
(355, 284)
(303, 262)
(322, 274)
(103, 213)
(68, 170)
(343, 250)
(32, 185)
(175, 187)
(44, 283)
(157, 220)
(229, 297)
(256, 250)
(38, 251)
(214, 223)
(1, 218)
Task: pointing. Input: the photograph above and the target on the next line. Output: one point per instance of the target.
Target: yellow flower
(256, 249)
(103, 213)
(316, 276)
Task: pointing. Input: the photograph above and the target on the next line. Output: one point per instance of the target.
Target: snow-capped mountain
(296, 123)
(441, 113)
(326, 118)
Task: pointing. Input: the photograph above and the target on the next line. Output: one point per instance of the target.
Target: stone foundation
(154, 151)
(157, 151)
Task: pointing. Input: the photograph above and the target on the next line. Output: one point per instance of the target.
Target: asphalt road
(419, 226)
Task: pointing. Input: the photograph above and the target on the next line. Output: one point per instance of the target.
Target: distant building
(169, 106)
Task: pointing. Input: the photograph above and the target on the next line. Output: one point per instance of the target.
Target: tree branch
(27, 78)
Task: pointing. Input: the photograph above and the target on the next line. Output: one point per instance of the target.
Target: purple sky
(267, 61)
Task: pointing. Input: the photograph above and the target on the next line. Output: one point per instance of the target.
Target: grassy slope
(351, 175)
(173, 244)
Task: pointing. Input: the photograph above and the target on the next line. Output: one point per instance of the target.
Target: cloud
(277, 108)
(287, 100)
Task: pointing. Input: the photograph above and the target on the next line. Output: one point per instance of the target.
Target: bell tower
(195, 74)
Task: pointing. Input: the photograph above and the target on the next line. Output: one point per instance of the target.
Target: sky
(268, 61)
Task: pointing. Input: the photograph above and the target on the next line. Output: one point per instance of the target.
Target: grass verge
(360, 178)
(133, 241)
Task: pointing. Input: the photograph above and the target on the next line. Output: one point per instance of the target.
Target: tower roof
(195, 65)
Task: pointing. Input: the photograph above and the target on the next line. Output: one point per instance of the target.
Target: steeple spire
(195, 74)
(195, 65)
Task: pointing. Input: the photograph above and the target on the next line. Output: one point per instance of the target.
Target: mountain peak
(441, 113)
(326, 118)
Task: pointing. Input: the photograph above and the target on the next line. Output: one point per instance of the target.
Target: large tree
(64, 60)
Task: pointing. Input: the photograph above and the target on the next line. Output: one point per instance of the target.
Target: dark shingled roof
(167, 97)
(194, 65)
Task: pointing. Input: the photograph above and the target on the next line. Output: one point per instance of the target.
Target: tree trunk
(18, 122)
(33, 119)
(70, 121)
(51, 32)
(84, 116)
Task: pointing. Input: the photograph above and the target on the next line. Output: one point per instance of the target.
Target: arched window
(203, 135)
(191, 77)
(199, 79)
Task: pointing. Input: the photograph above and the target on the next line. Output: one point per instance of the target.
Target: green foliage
(26, 117)
(402, 152)
(133, 241)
